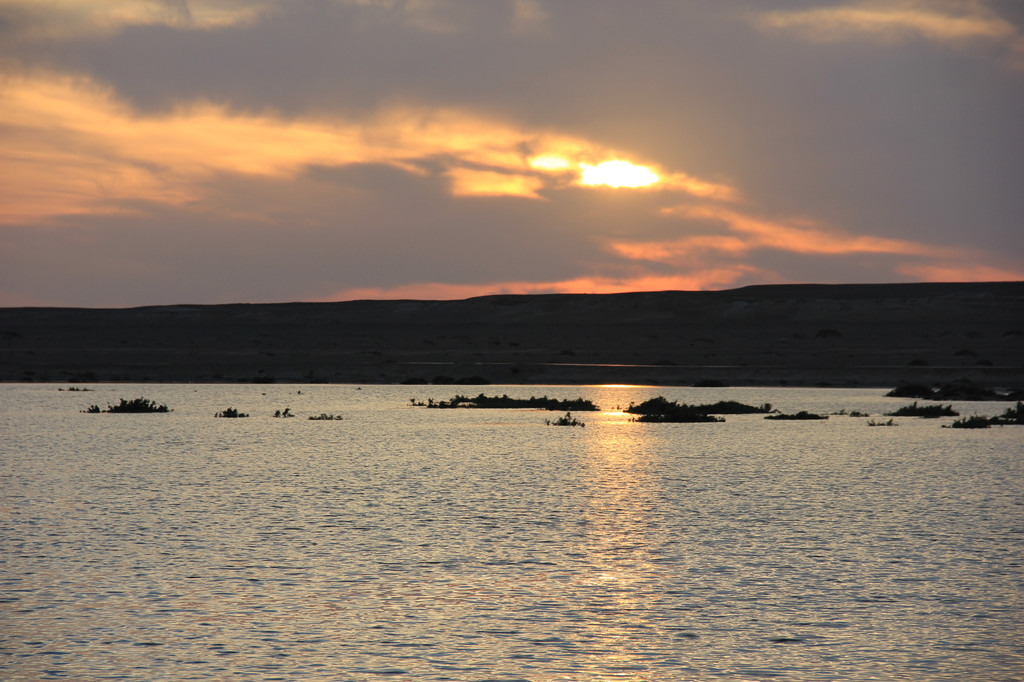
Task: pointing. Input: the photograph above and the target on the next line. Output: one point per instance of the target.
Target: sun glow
(549, 162)
(618, 173)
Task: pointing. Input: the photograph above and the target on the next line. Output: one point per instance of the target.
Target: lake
(411, 543)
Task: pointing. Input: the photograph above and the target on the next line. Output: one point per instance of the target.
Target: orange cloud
(949, 22)
(712, 278)
(747, 233)
(467, 182)
(70, 146)
(683, 249)
(754, 233)
(946, 272)
(895, 20)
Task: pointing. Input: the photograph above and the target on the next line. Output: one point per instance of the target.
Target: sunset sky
(215, 151)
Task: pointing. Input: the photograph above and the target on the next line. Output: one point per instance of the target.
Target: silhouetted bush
(733, 407)
(660, 410)
(1013, 415)
(231, 413)
(567, 420)
(134, 406)
(925, 411)
(802, 415)
(505, 402)
(972, 422)
(323, 416)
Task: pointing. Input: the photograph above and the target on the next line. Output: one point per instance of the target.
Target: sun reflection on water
(621, 545)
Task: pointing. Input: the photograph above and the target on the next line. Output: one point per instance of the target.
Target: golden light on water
(617, 173)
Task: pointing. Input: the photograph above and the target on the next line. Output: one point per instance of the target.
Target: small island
(505, 402)
(660, 410)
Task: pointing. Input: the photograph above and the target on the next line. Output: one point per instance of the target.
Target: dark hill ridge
(840, 335)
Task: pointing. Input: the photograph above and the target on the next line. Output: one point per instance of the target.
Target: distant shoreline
(862, 335)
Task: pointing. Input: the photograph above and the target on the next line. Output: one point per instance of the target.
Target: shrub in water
(1013, 415)
(567, 420)
(660, 411)
(231, 413)
(504, 402)
(926, 411)
(972, 422)
(799, 416)
(135, 406)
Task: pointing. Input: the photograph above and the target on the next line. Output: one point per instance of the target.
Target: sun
(618, 173)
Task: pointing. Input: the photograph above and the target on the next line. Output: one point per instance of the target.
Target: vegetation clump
(660, 411)
(1012, 416)
(925, 411)
(973, 422)
(134, 406)
(802, 415)
(231, 413)
(505, 402)
(324, 417)
(567, 420)
(733, 407)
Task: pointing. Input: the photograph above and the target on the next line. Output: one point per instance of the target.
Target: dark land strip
(779, 335)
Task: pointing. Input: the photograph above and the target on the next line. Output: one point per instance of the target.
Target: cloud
(71, 146)
(757, 233)
(952, 272)
(948, 22)
(895, 21)
(528, 16)
(712, 278)
(67, 19)
(746, 234)
(467, 182)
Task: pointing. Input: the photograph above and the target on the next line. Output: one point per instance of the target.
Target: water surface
(409, 543)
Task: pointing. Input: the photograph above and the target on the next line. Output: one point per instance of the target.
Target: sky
(214, 151)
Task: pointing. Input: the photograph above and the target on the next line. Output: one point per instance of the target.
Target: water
(408, 543)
